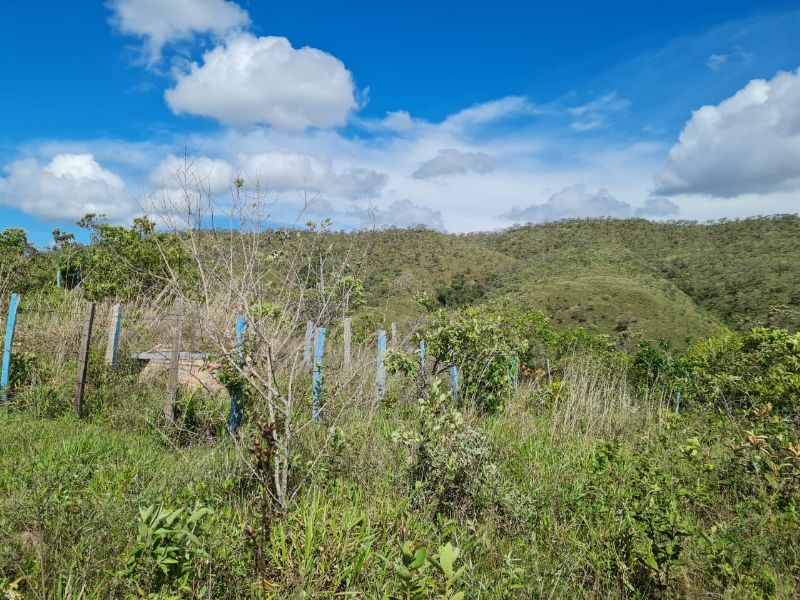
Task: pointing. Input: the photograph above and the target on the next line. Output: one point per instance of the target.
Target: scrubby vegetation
(578, 458)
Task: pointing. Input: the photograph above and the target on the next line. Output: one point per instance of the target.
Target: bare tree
(277, 279)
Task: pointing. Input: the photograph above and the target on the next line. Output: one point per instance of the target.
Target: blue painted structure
(237, 404)
(10, 325)
(454, 381)
(316, 375)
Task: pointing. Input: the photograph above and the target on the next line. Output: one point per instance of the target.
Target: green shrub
(166, 559)
(748, 370)
(484, 343)
(450, 465)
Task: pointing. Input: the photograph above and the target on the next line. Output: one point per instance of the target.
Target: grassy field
(566, 465)
(557, 496)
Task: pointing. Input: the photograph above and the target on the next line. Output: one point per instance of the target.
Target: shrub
(168, 552)
(484, 343)
(748, 370)
(450, 464)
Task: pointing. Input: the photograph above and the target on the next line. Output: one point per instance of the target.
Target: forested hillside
(633, 279)
(630, 278)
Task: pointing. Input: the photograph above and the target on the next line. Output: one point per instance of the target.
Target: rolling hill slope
(629, 278)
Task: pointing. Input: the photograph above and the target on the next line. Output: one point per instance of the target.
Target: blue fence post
(307, 347)
(454, 381)
(10, 325)
(235, 416)
(58, 278)
(422, 357)
(380, 369)
(316, 376)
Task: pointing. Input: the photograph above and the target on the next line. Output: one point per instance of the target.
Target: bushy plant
(484, 343)
(418, 582)
(748, 370)
(449, 462)
(165, 560)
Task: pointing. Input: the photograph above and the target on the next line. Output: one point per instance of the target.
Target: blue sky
(460, 116)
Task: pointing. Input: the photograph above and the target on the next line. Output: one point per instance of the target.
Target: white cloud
(264, 80)
(282, 170)
(595, 114)
(717, 60)
(211, 174)
(749, 142)
(489, 112)
(657, 206)
(572, 202)
(67, 187)
(401, 121)
(404, 213)
(452, 162)
(160, 22)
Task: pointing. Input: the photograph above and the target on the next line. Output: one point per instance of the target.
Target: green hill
(632, 278)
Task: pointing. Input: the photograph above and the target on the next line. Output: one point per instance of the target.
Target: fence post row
(11, 323)
(174, 363)
(235, 415)
(114, 330)
(307, 347)
(83, 359)
(316, 377)
(380, 370)
(348, 335)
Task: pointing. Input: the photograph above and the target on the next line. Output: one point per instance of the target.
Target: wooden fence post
(348, 335)
(83, 359)
(316, 378)
(307, 347)
(114, 330)
(11, 324)
(235, 416)
(394, 337)
(380, 370)
(174, 363)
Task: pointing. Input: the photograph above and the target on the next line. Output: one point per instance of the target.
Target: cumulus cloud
(67, 187)
(452, 162)
(657, 207)
(404, 213)
(572, 202)
(211, 174)
(281, 170)
(160, 23)
(264, 80)
(748, 143)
